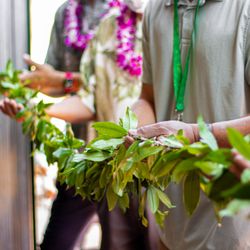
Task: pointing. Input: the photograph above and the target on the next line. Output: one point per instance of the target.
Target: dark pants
(70, 215)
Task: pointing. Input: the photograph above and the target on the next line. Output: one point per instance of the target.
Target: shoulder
(154, 10)
(107, 27)
(59, 16)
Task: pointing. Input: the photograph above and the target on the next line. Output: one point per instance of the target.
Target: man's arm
(144, 107)
(219, 129)
(72, 110)
(46, 79)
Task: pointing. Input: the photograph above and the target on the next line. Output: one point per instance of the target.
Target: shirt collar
(188, 3)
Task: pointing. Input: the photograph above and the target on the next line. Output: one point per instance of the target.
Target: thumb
(145, 132)
(27, 59)
(150, 131)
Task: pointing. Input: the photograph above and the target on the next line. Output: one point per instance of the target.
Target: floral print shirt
(108, 90)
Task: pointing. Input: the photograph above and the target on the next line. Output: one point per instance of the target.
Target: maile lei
(107, 169)
(127, 58)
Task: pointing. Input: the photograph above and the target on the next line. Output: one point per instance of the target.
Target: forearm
(219, 129)
(56, 86)
(71, 110)
(144, 112)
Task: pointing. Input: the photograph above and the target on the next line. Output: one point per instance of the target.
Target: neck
(91, 2)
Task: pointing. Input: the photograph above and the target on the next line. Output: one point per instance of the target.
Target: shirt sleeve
(147, 70)
(55, 49)
(87, 69)
(247, 52)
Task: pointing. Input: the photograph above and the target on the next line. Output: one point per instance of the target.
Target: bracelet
(71, 85)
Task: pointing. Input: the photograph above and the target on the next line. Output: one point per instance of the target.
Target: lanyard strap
(179, 76)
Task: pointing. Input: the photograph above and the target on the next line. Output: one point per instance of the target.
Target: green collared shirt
(217, 88)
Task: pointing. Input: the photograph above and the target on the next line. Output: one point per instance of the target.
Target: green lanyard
(179, 76)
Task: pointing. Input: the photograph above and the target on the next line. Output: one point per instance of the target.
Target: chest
(219, 31)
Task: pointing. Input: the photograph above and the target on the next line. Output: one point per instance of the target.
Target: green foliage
(191, 193)
(106, 169)
(238, 142)
(206, 136)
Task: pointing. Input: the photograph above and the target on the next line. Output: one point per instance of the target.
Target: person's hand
(41, 76)
(10, 108)
(239, 164)
(166, 128)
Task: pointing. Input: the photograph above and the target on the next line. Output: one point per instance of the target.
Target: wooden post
(16, 209)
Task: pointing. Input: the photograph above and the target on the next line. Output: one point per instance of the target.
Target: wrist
(195, 131)
(71, 83)
(59, 82)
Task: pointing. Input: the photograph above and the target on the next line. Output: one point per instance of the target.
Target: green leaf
(132, 148)
(109, 130)
(225, 182)
(142, 207)
(164, 168)
(245, 176)
(111, 198)
(238, 191)
(10, 69)
(107, 144)
(105, 176)
(237, 140)
(183, 168)
(197, 148)
(145, 150)
(166, 163)
(234, 207)
(191, 193)
(210, 168)
(8, 85)
(129, 121)
(124, 202)
(62, 152)
(78, 158)
(164, 198)
(206, 136)
(117, 184)
(160, 217)
(153, 199)
(170, 141)
(96, 156)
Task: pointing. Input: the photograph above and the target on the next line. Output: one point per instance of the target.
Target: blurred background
(41, 20)
(27, 187)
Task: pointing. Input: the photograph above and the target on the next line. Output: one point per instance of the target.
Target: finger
(128, 141)
(150, 131)
(14, 107)
(20, 106)
(27, 59)
(241, 162)
(7, 108)
(27, 76)
(1, 106)
(234, 170)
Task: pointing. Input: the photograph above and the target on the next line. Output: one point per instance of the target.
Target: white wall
(42, 16)
(16, 225)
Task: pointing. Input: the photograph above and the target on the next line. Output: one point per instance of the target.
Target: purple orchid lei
(73, 26)
(126, 58)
